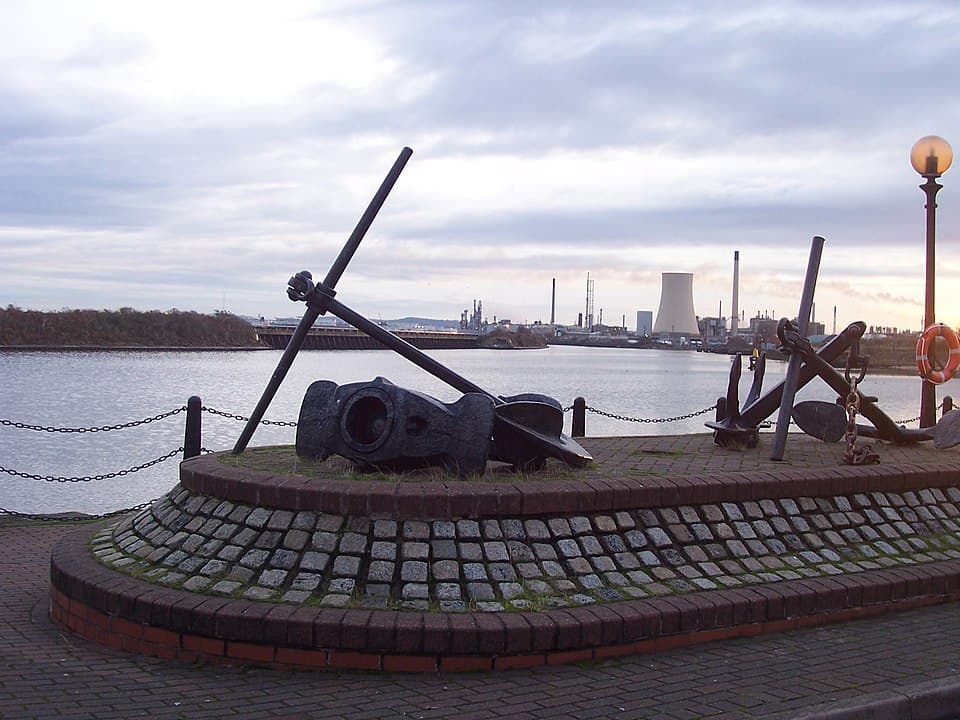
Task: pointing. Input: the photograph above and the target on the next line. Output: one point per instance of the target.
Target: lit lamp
(930, 156)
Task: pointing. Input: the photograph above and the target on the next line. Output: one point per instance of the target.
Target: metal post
(928, 391)
(192, 430)
(947, 404)
(578, 427)
(793, 367)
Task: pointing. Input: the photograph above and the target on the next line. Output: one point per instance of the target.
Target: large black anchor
(729, 428)
(527, 429)
(739, 427)
(828, 421)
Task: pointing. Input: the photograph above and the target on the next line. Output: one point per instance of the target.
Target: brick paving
(901, 665)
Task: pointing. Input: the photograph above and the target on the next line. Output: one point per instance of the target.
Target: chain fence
(101, 428)
(7, 513)
(627, 418)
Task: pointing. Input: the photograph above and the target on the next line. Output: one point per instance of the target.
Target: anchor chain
(853, 455)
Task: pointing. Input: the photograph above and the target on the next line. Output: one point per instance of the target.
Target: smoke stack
(553, 303)
(734, 311)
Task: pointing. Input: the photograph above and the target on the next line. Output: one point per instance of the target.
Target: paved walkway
(899, 666)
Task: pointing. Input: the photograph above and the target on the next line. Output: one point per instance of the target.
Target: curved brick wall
(294, 576)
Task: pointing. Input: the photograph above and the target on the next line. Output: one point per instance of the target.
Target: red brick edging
(125, 613)
(476, 499)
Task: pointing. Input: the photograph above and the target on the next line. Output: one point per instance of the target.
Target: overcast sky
(194, 155)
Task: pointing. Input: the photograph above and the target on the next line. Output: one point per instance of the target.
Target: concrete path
(898, 666)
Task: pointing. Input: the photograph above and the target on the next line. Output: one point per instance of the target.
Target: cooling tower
(676, 315)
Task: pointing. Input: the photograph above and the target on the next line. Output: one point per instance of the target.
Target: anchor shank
(311, 314)
(402, 347)
(792, 379)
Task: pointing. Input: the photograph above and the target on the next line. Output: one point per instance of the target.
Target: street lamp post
(930, 156)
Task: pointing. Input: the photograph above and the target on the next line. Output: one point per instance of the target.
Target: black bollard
(191, 433)
(947, 404)
(578, 426)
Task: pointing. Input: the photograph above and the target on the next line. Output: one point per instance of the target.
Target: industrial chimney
(734, 314)
(553, 303)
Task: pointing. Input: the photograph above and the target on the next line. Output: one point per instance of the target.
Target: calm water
(94, 389)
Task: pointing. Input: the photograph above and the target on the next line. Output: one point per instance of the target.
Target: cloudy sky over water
(196, 154)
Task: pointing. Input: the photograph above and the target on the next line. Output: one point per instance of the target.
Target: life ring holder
(925, 352)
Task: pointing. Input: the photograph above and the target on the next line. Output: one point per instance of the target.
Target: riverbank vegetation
(522, 338)
(122, 328)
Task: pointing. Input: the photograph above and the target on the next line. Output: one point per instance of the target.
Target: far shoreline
(129, 348)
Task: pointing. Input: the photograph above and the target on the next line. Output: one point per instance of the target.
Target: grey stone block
(474, 571)
(305, 520)
(413, 571)
(480, 591)
(272, 578)
(342, 585)
(416, 530)
(197, 583)
(306, 581)
(329, 523)
(314, 561)
(296, 539)
(324, 541)
(285, 559)
(416, 550)
(213, 568)
(258, 518)
(536, 530)
(490, 529)
(468, 529)
(380, 571)
(415, 591)
(346, 566)
(255, 558)
(501, 572)
(382, 550)
(384, 529)
(446, 570)
(443, 549)
(353, 543)
(444, 529)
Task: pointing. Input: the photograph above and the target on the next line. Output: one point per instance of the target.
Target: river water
(93, 389)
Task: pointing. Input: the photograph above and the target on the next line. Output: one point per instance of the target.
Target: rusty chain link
(853, 455)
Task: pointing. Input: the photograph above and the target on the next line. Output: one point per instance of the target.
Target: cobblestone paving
(208, 545)
(46, 673)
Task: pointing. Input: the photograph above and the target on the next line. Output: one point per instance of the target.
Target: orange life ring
(925, 351)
